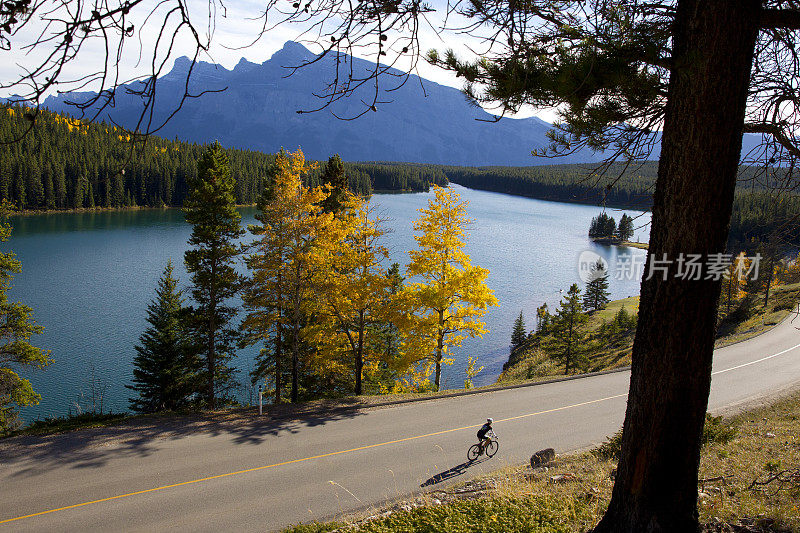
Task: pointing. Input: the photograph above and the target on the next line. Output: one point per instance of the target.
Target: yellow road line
(154, 489)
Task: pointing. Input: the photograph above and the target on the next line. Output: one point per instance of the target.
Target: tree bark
(770, 272)
(278, 353)
(656, 483)
(439, 349)
(212, 341)
(359, 369)
(568, 359)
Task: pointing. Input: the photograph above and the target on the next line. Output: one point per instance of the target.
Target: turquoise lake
(90, 276)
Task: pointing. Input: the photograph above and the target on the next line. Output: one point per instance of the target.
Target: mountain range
(422, 121)
(419, 122)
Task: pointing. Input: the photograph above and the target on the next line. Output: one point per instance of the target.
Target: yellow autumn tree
(452, 296)
(352, 287)
(283, 265)
(734, 282)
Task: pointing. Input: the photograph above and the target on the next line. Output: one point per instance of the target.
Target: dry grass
(767, 444)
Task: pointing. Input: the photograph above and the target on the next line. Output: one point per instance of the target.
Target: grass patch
(631, 305)
(766, 444)
(70, 423)
(497, 513)
(641, 245)
(716, 430)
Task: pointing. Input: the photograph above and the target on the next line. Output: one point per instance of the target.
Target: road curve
(268, 474)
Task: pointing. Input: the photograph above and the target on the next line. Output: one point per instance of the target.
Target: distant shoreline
(616, 242)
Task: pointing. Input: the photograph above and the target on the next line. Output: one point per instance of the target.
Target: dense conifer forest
(63, 163)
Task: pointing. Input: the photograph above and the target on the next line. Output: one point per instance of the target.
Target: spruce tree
(164, 369)
(625, 228)
(210, 208)
(334, 177)
(567, 333)
(596, 296)
(15, 349)
(387, 332)
(602, 226)
(518, 334)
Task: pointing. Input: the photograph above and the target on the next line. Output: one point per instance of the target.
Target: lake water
(90, 276)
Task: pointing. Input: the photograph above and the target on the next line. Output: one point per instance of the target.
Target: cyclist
(485, 434)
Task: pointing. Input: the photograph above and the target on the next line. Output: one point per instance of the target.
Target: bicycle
(476, 450)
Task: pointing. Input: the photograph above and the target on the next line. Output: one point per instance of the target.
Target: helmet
(489, 420)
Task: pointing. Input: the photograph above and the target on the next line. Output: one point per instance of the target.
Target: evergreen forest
(63, 163)
(66, 164)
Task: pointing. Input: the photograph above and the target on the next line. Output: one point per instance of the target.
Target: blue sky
(232, 40)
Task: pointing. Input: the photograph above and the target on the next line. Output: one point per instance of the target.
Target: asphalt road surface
(267, 474)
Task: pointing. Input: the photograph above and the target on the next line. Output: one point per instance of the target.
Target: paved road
(266, 474)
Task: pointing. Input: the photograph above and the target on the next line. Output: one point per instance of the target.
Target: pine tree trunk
(439, 349)
(568, 358)
(770, 272)
(212, 342)
(656, 483)
(278, 356)
(360, 352)
(295, 360)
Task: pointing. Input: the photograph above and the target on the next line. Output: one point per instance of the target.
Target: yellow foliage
(416, 379)
(452, 296)
(471, 371)
(352, 289)
(279, 291)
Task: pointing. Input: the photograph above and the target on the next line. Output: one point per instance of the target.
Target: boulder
(542, 457)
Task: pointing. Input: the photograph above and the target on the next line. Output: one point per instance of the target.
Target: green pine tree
(164, 368)
(335, 177)
(543, 319)
(625, 228)
(518, 335)
(596, 296)
(624, 321)
(602, 226)
(210, 208)
(567, 332)
(16, 352)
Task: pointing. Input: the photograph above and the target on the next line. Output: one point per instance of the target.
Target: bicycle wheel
(492, 448)
(473, 452)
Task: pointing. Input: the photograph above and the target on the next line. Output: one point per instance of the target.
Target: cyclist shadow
(453, 472)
